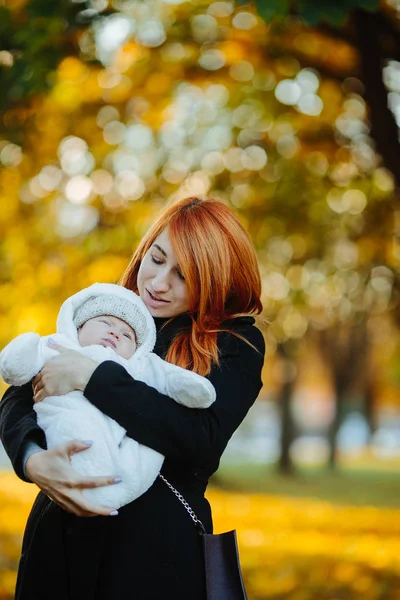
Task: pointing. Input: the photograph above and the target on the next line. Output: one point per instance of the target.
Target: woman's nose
(160, 283)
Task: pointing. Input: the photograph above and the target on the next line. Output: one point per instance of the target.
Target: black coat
(152, 548)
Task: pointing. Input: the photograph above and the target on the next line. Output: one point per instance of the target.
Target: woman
(196, 271)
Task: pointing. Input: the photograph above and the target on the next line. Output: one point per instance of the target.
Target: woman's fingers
(76, 504)
(36, 380)
(95, 482)
(39, 395)
(74, 446)
(37, 387)
(80, 482)
(37, 384)
(87, 508)
(52, 344)
(73, 501)
(52, 472)
(67, 371)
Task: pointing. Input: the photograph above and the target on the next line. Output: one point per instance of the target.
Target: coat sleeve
(21, 359)
(18, 425)
(192, 436)
(183, 386)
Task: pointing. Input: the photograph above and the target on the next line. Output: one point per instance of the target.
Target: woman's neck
(177, 321)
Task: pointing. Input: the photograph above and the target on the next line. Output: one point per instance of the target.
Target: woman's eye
(181, 277)
(156, 261)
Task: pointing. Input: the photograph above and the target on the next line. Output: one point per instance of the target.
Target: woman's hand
(52, 472)
(62, 374)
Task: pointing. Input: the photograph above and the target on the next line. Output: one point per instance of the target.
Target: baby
(104, 322)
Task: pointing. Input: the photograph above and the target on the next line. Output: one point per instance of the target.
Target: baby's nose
(114, 333)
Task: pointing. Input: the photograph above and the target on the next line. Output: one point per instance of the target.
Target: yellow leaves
(9, 208)
(39, 317)
(303, 549)
(75, 85)
(106, 269)
(336, 54)
(332, 96)
(7, 583)
(49, 275)
(15, 247)
(233, 52)
(154, 116)
(158, 84)
(126, 57)
(15, 117)
(292, 549)
(116, 87)
(72, 69)
(16, 4)
(16, 498)
(346, 572)
(66, 95)
(307, 42)
(10, 180)
(90, 89)
(50, 126)
(367, 250)
(253, 538)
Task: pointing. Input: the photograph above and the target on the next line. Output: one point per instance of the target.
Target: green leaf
(371, 5)
(334, 12)
(269, 9)
(312, 11)
(5, 19)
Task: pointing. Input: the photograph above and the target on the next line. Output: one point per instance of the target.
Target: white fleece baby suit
(73, 417)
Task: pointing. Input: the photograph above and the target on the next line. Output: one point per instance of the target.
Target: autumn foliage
(290, 549)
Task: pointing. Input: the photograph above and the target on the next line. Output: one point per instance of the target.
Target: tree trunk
(373, 37)
(345, 348)
(369, 405)
(285, 463)
(340, 394)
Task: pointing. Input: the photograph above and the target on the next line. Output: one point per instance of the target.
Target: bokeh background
(289, 112)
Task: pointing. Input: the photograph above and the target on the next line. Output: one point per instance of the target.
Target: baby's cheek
(85, 338)
(129, 351)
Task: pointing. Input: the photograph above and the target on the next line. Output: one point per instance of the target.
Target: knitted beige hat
(106, 304)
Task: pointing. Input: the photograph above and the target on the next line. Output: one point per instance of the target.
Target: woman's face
(161, 284)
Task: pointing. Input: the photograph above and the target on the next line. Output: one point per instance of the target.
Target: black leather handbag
(223, 575)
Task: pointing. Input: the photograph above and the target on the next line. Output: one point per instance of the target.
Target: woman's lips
(153, 301)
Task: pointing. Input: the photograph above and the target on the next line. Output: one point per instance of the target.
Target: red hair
(220, 267)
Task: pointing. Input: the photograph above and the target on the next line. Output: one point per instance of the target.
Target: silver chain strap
(182, 500)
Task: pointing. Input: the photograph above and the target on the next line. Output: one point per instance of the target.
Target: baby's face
(109, 332)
